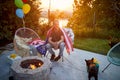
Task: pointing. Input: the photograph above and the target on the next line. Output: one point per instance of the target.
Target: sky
(65, 5)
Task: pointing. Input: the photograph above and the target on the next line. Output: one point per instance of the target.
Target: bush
(96, 33)
(113, 41)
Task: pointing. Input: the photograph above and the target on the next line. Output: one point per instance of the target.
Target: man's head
(56, 23)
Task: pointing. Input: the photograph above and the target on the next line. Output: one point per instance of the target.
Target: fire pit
(31, 68)
(31, 64)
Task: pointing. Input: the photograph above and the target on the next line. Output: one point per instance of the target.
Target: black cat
(92, 69)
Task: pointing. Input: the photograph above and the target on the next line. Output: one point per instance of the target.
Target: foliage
(32, 18)
(113, 41)
(91, 15)
(7, 19)
(9, 22)
(59, 15)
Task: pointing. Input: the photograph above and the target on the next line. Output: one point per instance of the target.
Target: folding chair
(70, 34)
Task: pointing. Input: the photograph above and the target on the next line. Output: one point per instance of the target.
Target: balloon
(24, 1)
(19, 13)
(26, 8)
(19, 3)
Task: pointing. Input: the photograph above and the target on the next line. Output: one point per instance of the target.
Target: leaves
(95, 14)
(9, 22)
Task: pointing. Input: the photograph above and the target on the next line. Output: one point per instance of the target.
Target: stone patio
(72, 68)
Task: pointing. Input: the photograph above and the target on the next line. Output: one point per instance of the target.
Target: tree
(107, 13)
(9, 22)
(7, 19)
(82, 15)
(91, 14)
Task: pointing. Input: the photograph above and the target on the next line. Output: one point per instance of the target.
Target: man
(55, 40)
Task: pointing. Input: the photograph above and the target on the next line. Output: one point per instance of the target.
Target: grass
(99, 46)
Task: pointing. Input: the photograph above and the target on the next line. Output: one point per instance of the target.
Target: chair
(113, 56)
(22, 38)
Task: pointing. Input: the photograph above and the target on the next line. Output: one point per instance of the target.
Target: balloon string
(23, 22)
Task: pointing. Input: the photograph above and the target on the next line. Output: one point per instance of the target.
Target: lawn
(99, 46)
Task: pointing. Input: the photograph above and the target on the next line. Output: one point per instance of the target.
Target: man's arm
(50, 40)
(61, 40)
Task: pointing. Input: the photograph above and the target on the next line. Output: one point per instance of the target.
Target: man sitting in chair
(58, 39)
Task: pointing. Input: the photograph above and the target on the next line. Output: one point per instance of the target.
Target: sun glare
(61, 4)
(58, 4)
(63, 23)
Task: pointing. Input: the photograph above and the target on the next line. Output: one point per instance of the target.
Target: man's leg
(49, 47)
(61, 47)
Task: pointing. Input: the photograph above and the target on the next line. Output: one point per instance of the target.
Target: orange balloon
(26, 8)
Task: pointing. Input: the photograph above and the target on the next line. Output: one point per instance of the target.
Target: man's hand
(55, 45)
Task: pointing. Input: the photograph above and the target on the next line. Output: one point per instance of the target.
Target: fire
(39, 64)
(32, 66)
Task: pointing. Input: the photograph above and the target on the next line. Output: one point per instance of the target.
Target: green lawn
(99, 46)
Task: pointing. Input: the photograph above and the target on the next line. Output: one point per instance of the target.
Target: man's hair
(56, 21)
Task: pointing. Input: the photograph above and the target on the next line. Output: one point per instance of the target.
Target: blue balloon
(19, 13)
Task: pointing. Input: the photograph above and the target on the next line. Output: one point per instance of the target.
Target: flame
(39, 64)
(32, 66)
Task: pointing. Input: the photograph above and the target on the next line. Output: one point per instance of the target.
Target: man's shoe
(57, 58)
(52, 57)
